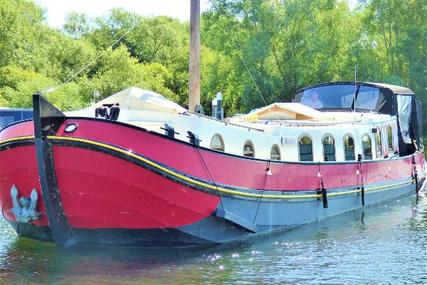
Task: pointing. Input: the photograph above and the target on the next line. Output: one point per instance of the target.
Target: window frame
(323, 146)
(390, 138)
(221, 139)
(347, 136)
(363, 149)
(299, 146)
(379, 152)
(275, 146)
(251, 144)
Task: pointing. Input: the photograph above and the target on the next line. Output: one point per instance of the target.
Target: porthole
(367, 147)
(378, 143)
(390, 138)
(305, 149)
(249, 149)
(217, 143)
(349, 148)
(275, 152)
(71, 128)
(328, 148)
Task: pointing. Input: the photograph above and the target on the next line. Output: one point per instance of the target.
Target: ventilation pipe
(217, 110)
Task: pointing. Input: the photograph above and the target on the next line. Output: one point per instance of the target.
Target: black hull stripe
(191, 181)
(117, 237)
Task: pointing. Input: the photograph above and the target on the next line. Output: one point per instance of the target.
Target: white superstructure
(281, 131)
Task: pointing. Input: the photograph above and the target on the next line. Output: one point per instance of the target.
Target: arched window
(328, 148)
(248, 149)
(378, 143)
(217, 143)
(390, 138)
(275, 152)
(367, 147)
(349, 148)
(305, 149)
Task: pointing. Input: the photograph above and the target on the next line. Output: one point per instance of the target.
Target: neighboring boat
(12, 115)
(160, 175)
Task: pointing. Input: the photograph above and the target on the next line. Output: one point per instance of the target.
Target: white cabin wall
(234, 137)
(357, 136)
(317, 136)
(285, 135)
(289, 145)
(339, 145)
(338, 132)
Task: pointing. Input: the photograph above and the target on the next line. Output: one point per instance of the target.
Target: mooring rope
(267, 171)
(210, 175)
(362, 183)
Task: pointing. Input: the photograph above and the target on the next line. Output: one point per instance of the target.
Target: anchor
(24, 209)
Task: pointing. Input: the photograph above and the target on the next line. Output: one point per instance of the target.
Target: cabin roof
(393, 88)
(134, 98)
(282, 111)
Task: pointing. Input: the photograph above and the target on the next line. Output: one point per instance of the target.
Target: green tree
(279, 47)
(160, 40)
(117, 70)
(398, 32)
(20, 23)
(77, 25)
(18, 85)
(249, 48)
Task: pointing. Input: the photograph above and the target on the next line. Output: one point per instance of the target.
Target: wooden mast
(194, 65)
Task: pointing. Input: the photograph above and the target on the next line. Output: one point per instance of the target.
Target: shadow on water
(41, 262)
(383, 244)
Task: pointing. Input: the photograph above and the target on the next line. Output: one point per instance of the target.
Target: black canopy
(373, 97)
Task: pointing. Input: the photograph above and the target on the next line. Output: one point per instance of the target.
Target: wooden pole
(194, 65)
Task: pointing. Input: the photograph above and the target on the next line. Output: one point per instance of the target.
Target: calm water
(386, 244)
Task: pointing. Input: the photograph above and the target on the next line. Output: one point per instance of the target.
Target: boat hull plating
(121, 185)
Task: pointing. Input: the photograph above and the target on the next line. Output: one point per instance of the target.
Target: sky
(57, 10)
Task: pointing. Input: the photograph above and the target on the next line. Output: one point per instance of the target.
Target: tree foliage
(252, 51)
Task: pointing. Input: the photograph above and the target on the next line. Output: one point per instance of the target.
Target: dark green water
(386, 244)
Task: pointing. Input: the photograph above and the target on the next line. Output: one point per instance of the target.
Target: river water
(386, 244)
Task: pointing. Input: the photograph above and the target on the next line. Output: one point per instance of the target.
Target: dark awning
(374, 97)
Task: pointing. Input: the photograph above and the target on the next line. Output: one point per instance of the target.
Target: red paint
(18, 130)
(239, 171)
(179, 156)
(102, 191)
(18, 167)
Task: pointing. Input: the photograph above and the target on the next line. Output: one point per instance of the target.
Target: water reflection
(384, 244)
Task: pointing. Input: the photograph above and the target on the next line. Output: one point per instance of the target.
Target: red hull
(107, 192)
(229, 169)
(237, 171)
(101, 191)
(18, 167)
(102, 188)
